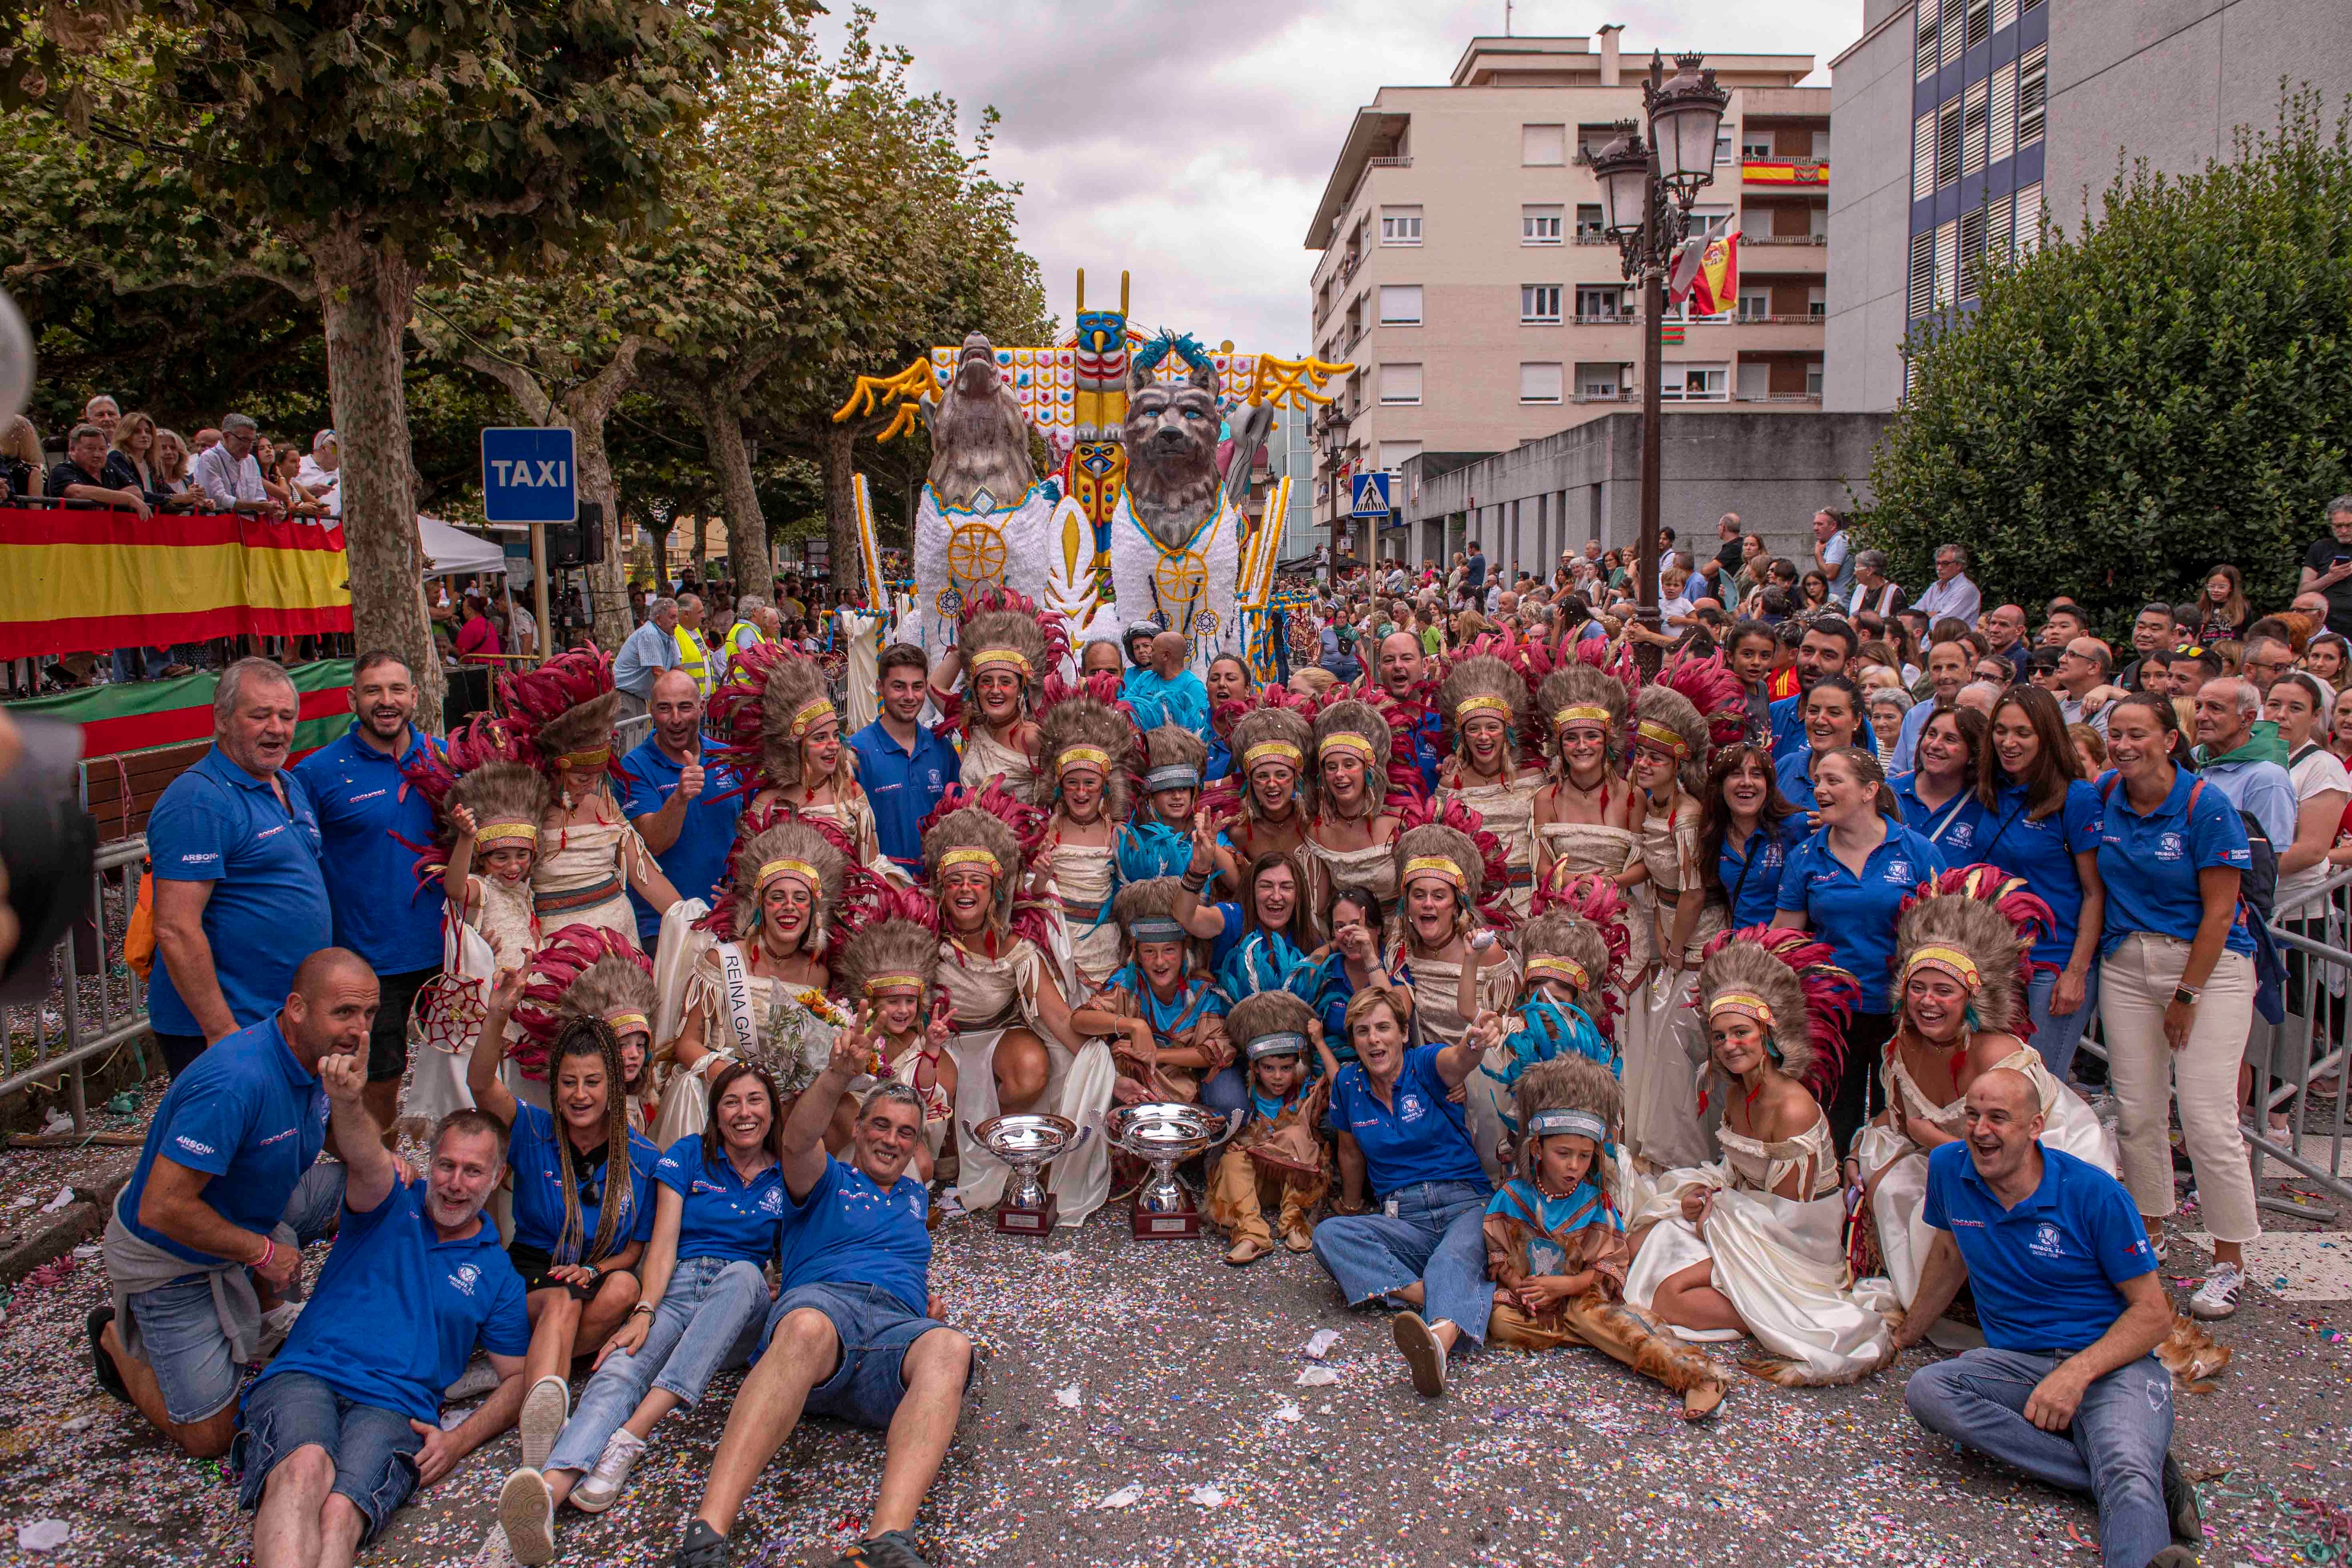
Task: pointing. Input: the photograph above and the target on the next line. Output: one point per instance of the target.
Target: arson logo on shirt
(465, 1278)
(1899, 870)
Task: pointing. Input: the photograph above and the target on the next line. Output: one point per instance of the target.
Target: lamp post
(1646, 192)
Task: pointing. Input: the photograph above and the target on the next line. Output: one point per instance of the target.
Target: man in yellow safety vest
(750, 629)
(693, 653)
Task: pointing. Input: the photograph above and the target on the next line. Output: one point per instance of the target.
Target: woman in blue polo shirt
(1745, 830)
(2037, 819)
(717, 1217)
(2176, 983)
(1846, 885)
(1423, 1251)
(1831, 709)
(1938, 797)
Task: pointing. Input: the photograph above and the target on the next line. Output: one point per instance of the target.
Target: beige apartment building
(1465, 276)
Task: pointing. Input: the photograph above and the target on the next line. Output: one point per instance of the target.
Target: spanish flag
(1716, 290)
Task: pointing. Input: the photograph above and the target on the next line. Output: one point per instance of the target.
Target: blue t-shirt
(269, 909)
(848, 1231)
(2046, 1273)
(1855, 915)
(1950, 827)
(539, 1187)
(1424, 1138)
(1428, 732)
(902, 785)
(2149, 864)
(365, 808)
(397, 1311)
(1182, 700)
(1787, 715)
(248, 1116)
(1750, 872)
(2044, 854)
(697, 863)
(1792, 769)
(721, 1217)
(1220, 759)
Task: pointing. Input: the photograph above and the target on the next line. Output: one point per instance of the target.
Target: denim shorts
(375, 1449)
(874, 1330)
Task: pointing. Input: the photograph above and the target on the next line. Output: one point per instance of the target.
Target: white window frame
(1761, 298)
(1559, 382)
(1616, 379)
(2003, 120)
(1381, 305)
(1398, 399)
(2032, 95)
(1533, 300)
(1531, 146)
(1676, 381)
(1707, 222)
(1617, 313)
(1390, 449)
(1400, 226)
(1541, 223)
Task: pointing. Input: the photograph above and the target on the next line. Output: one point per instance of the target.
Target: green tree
(2168, 388)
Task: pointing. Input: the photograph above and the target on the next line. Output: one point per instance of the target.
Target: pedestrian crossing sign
(1371, 495)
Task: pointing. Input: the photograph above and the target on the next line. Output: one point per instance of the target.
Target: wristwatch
(2186, 995)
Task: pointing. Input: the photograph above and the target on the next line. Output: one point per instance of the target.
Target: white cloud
(1187, 141)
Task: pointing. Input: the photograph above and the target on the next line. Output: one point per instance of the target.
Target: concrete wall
(1870, 209)
(1528, 504)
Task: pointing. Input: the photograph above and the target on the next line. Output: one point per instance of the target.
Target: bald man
(227, 1191)
(1164, 691)
(2064, 1282)
(1403, 672)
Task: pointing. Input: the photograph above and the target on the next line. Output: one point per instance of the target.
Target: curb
(56, 1234)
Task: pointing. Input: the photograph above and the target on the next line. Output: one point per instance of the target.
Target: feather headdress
(1484, 684)
(1450, 832)
(1978, 924)
(813, 851)
(1579, 693)
(580, 971)
(1354, 726)
(1570, 1082)
(1665, 721)
(1082, 733)
(1806, 998)
(564, 709)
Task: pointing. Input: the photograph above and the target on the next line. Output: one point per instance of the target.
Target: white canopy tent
(451, 552)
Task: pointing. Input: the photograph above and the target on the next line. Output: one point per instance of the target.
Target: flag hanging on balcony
(1716, 290)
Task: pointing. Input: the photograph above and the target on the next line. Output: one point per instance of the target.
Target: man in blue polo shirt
(368, 816)
(685, 814)
(345, 1424)
(2064, 1281)
(1827, 648)
(239, 898)
(227, 1191)
(902, 767)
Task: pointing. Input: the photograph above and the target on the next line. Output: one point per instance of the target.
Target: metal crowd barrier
(96, 1005)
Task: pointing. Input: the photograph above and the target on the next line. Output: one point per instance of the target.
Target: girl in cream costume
(1485, 701)
(1004, 659)
(1348, 841)
(1087, 748)
(893, 967)
(787, 738)
(1582, 819)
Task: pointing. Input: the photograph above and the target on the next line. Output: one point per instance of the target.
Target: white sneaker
(600, 1486)
(545, 1410)
(478, 1378)
(2218, 1296)
(1423, 1352)
(527, 1517)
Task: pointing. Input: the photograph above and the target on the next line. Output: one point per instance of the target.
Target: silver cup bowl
(1164, 1135)
(1024, 1142)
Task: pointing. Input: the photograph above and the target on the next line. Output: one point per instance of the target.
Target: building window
(1954, 31)
(1697, 384)
(1754, 380)
(1723, 147)
(1923, 157)
(1399, 383)
(1587, 222)
(1947, 260)
(1817, 302)
(1601, 303)
(1927, 49)
(1539, 382)
(2033, 93)
(1540, 304)
(1972, 134)
(1400, 226)
(1980, 21)
(1394, 453)
(1543, 146)
(1707, 223)
(1972, 239)
(1948, 143)
(1399, 304)
(1599, 380)
(1999, 230)
(2028, 219)
(1923, 274)
(2005, 12)
(1754, 304)
(1539, 226)
(1755, 145)
(1813, 380)
(2004, 117)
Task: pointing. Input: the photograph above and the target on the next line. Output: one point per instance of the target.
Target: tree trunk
(702, 546)
(747, 528)
(834, 445)
(364, 293)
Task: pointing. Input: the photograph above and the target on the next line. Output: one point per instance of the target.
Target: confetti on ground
(2297, 1264)
(1126, 1496)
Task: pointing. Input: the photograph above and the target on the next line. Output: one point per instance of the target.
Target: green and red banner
(79, 581)
(139, 716)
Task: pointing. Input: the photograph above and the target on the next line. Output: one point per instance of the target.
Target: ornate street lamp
(1646, 192)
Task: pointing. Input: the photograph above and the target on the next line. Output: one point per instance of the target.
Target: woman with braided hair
(1485, 701)
(1349, 840)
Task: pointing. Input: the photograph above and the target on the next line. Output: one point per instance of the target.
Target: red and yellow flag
(73, 582)
(1716, 288)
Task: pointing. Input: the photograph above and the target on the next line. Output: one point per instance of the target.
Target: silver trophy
(1024, 1142)
(1163, 1134)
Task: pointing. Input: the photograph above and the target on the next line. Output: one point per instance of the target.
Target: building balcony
(1811, 241)
(1788, 173)
(1781, 399)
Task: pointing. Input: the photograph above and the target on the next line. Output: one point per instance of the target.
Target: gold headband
(882, 983)
(1580, 713)
(1482, 703)
(1093, 757)
(988, 656)
(1271, 752)
(801, 868)
(1345, 741)
(806, 718)
(1421, 864)
(500, 832)
(971, 855)
(595, 759)
(629, 1024)
(1951, 961)
(1745, 1003)
(1568, 969)
(1663, 738)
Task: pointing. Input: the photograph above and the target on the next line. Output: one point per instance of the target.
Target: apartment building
(1465, 275)
(1966, 121)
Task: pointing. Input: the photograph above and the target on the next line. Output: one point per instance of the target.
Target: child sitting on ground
(1555, 1242)
(1277, 1159)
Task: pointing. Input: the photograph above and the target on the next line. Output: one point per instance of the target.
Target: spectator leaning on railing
(230, 474)
(82, 475)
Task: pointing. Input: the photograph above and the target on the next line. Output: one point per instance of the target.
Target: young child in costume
(494, 813)
(890, 972)
(1004, 656)
(1161, 1011)
(1277, 1160)
(1088, 751)
(1560, 953)
(1556, 1238)
(1158, 841)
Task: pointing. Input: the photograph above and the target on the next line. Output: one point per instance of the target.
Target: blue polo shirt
(1750, 872)
(847, 1231)
(1220, 759)
(722, 1216)
(365, 808)
(2044, 854)
(248, 1116)
(2149, 863)
(397, 1311)
(1792, 769)
(1424, 1138)
(269, 909)
(1428, 732)
(697, 863)
(1951, 826)
(1855, 915)
(539, 1187)
(1182, 701)
(1788, 717)
(903, 785)
(2046, 1274)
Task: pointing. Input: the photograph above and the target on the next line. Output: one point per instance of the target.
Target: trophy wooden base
(1180, 1225)
(1010, 1221)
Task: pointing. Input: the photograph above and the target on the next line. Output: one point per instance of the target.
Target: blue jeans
(179, 1328)
(874, 1331)
(150, 663)
(709, 1319)
(1431, 1232)
(2114, 1450)
(2056, 1038)
(1225, 1090)
(375, 1449)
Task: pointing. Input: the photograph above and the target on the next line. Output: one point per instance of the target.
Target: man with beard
(1405, 683)
(365, 814)
(686, 817)
(902, 766)
(1827, 646)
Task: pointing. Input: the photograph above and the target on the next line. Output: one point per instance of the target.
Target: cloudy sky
(1187, 140)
